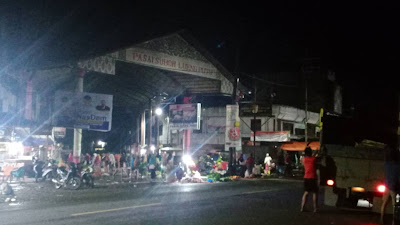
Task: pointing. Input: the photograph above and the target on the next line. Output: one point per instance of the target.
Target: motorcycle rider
(38, 168)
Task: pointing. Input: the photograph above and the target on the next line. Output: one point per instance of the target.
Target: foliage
(214, 176)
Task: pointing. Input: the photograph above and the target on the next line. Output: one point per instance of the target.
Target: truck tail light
(381, 188)
(330, 182)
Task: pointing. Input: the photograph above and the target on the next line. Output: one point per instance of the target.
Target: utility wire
(267, 81)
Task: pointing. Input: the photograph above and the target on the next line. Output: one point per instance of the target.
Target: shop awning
(300, 146)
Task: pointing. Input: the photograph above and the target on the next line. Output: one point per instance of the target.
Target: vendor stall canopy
(300, 146)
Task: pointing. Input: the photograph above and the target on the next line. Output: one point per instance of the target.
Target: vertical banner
(232, 131)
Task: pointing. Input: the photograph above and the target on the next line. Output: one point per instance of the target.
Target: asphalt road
(243, 202)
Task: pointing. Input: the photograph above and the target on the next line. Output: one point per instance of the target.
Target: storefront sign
(83, 110)
(169, 62)
(232, 131)
(271, 136)
(59, 132)
(262, 110)
(185, 116)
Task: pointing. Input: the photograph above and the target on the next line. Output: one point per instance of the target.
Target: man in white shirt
(267, 162)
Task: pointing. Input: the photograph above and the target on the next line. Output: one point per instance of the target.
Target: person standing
(242, 164)
(250, 164)
(152, 165)
(281, 162)
(267, 162)
(310, 178)
(392, 176)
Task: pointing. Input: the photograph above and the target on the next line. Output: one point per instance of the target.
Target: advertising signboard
(59, 132)
(232, 131)
(185, 116)
(83, 110)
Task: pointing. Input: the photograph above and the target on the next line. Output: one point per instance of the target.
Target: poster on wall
(185, 116)
(83, 110)
(233, 137)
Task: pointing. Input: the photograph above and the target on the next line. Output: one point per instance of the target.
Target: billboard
(83, 110)
(59, 132)
(233, 137)
(185, 116)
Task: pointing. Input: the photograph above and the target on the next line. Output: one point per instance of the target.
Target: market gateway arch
(170, 66)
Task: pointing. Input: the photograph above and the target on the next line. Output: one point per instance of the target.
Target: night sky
(358, 40)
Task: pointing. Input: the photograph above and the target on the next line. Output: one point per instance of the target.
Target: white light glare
(152, 148)
(101, 143)
(159, 112)
(187, 159)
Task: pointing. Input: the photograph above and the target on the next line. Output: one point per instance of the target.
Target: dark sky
(350, 38)
(357, 40)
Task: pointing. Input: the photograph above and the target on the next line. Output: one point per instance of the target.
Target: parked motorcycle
(87, 176)
(50, 170)
(69, 179)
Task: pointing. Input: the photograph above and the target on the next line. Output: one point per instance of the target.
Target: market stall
(300, 146)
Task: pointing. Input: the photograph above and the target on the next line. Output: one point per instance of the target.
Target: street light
(158, 111)
(101, 143)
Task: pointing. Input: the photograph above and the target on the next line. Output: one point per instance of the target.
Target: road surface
(273, 201)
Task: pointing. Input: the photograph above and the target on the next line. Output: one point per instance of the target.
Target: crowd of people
(282, 165)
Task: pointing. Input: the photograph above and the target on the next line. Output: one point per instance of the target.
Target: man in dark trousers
(250, 164)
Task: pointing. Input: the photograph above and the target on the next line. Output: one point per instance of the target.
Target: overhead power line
(269, 82)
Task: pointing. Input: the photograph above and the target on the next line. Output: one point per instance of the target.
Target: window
(256, 125)
(299, 131)
(160, 130)
(287, 126)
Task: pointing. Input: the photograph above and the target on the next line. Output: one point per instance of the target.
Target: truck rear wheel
(330, 198)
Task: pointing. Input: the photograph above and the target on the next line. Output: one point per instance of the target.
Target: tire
(58, 185)
(74, 183)
(330, 198)
(90, 181)
(48, 176)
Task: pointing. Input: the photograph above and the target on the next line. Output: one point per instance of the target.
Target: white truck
(352, 174)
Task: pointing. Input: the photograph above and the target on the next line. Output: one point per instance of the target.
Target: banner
(185, 116)
(83, 110)
(232, 131)
(271, 136)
